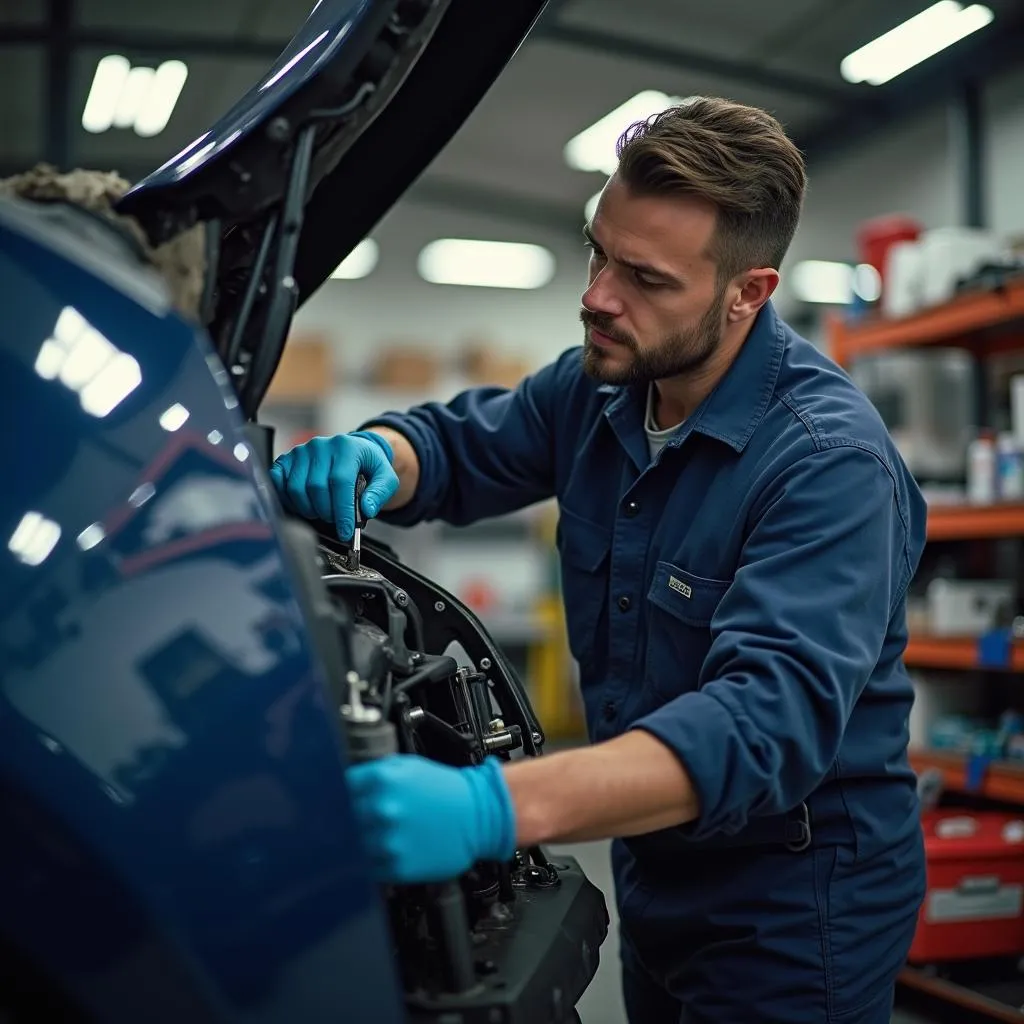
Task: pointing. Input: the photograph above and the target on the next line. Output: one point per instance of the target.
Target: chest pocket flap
(691, 599)
(583, 545)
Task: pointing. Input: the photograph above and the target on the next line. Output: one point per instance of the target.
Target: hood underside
(304, 166)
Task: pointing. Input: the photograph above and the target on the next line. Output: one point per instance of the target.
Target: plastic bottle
(1009, 468)
(981, 470)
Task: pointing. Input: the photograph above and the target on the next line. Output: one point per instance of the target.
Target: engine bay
(412, 671)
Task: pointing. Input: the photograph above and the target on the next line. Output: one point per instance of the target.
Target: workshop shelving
(994, 780)
(954, 653)
(998, 1001)
(984, 320)
(984, 323)
(975, 522)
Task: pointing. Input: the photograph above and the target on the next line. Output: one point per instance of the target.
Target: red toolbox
(975, 902)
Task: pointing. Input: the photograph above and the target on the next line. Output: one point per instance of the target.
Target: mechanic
(737, 533)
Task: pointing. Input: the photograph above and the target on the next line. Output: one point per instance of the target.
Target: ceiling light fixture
(465, 261)
(141, 98)
(359, 262)
(926, 34)
(594, 148)
(835, 284)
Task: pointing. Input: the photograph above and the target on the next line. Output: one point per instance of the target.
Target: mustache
(602, 323)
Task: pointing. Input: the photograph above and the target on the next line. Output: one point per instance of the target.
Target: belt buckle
(798, 831)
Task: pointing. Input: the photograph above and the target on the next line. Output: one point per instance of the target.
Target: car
(186, 670)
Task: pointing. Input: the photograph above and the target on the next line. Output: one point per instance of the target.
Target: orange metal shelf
(969, 522)
(1003, 780)
(953, 652)
(950, 323)
(959, 995)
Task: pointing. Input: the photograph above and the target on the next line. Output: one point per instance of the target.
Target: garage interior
(907, 269)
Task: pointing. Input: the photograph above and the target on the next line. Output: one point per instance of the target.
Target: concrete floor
(602, 1002)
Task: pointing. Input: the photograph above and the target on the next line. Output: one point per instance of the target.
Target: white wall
(395, 305)
(1005, 164)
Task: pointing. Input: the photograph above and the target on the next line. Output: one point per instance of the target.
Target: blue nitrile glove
(422, 821)
(317, 479)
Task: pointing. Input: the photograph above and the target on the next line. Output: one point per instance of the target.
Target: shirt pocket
(584, 547)
(680, 608)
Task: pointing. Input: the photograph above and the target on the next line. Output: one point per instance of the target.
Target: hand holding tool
(314, 479)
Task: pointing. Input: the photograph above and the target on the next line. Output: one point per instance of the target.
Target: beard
(683, 352)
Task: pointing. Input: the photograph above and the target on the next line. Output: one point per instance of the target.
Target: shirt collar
(737, 405)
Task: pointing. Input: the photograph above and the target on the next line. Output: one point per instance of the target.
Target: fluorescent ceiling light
(142, 98)
(164, 90)
(134, 94)
(107, 84)
(835, 284)
(594, 148)
(33, 539)
(465, 261)
(359, 262)
(591, 208)
(926, 34)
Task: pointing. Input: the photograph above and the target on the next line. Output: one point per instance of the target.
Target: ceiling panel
(21, 12)
(514, 139)
(21, 105)
(513, 143)
(727, 28)
(183, 16)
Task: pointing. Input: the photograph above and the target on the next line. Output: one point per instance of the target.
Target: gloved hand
(317, 479)
(422, 821)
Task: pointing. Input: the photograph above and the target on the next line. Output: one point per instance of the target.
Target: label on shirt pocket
(691, 599)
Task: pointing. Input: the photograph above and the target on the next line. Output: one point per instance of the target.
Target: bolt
(401, 598)
(439, 606)
(495, 725)
(485, 663)
(537, 738)
(278, 130)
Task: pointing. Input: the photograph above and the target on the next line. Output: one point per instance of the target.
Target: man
(737, 534)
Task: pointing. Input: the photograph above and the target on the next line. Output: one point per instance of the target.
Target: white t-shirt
(656, 438)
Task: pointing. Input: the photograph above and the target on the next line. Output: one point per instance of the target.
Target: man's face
(653, 307)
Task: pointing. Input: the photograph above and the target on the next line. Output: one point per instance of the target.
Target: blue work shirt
(741, 597)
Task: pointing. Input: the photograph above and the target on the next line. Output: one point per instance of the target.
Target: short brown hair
(736, 157)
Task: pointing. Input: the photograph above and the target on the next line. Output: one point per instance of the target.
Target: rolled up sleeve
(488, 451)
(794, 640)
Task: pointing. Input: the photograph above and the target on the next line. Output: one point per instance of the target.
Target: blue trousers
(774, 937)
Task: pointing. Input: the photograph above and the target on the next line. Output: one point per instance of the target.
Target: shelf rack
(981, 320)
(985, 322)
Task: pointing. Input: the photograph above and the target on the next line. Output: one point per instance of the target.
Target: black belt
(806, 825)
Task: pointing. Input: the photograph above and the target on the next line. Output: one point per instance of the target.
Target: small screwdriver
(357, 534)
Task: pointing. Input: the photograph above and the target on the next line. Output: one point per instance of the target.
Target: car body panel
(178, 841)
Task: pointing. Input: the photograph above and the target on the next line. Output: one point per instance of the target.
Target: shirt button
(632, 508)
(608, 710)
(624, 603)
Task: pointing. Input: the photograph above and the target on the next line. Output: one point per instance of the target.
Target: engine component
(511, 942)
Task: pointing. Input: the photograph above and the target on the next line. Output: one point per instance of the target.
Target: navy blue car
(185, 672)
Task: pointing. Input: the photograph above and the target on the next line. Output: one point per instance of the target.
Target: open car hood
(302, 168)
